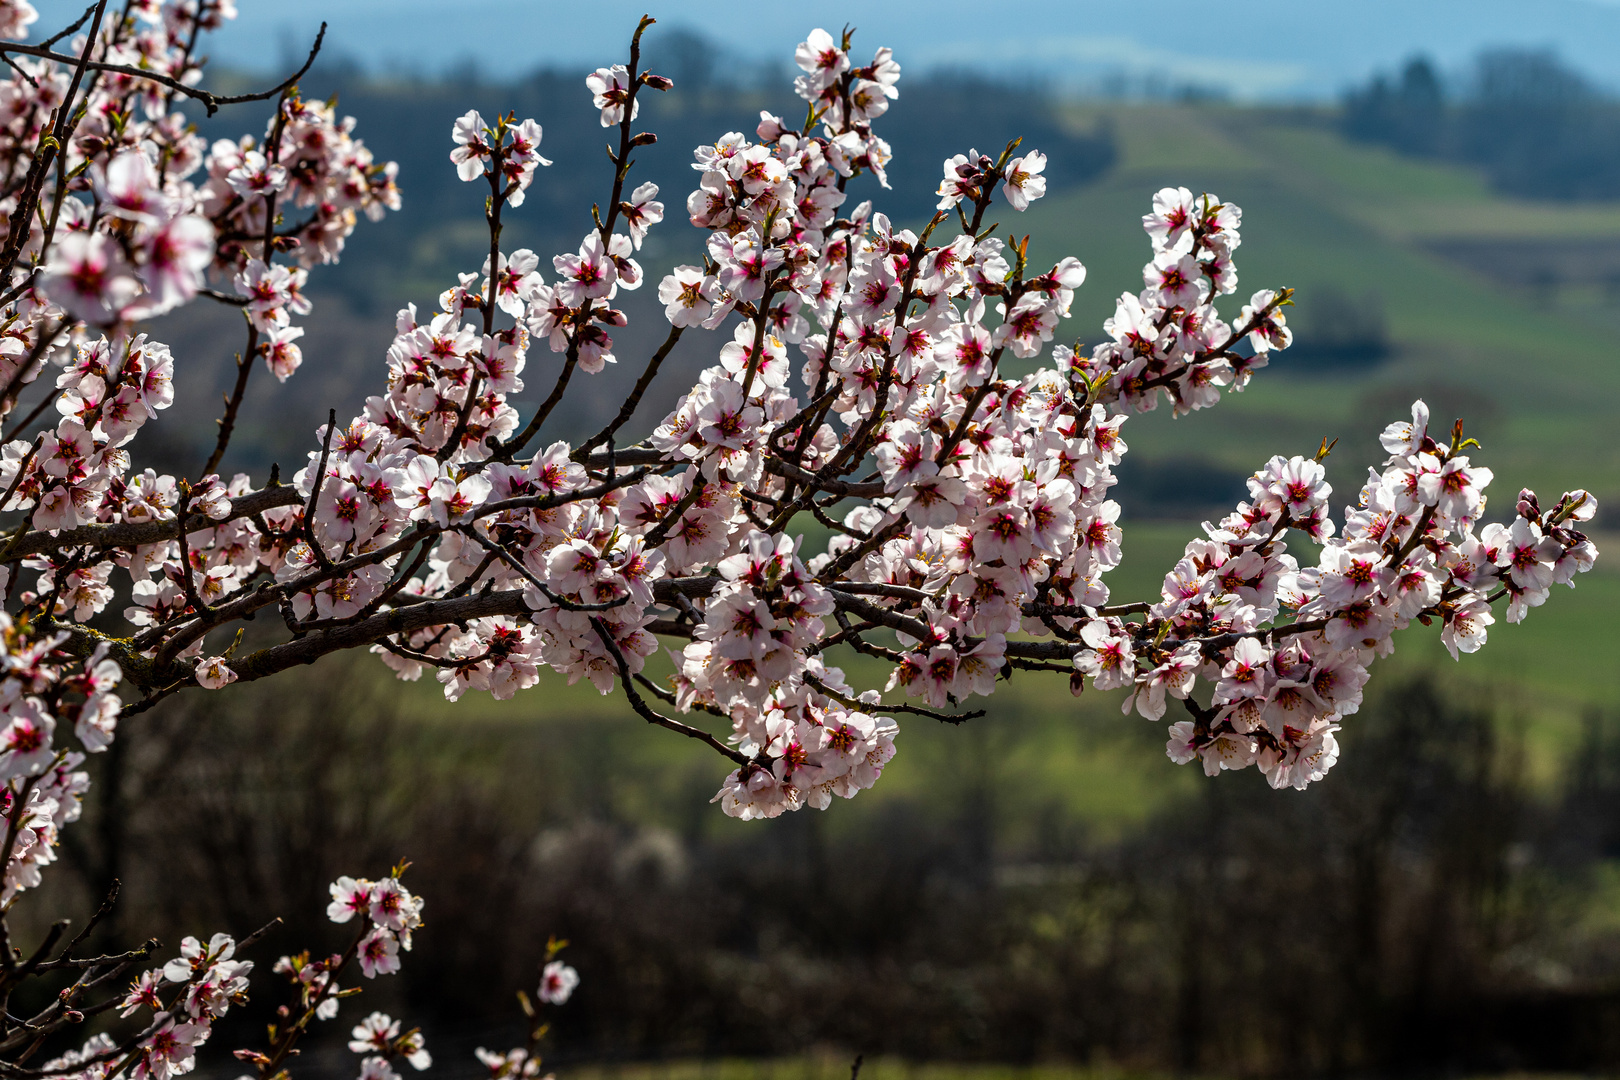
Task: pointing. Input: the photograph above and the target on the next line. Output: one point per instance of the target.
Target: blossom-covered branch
(859, 393)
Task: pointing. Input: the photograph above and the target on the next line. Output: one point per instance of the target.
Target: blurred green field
(831, 1068)
(1320, 211)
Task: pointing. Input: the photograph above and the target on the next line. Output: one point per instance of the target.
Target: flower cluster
(507, 153)
(388, 913)
(41, 784)
(113, 210)
(183, 998)
(309, 167)
(861, 381)
(1169, 338)
(379, 1038)
(79, 472)
(147, 258)
(180, 1001)
(1414, 548)
(132, 235)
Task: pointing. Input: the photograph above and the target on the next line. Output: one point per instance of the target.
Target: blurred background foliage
(1041, 885)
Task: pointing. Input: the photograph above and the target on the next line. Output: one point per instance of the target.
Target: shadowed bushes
(1415, 911)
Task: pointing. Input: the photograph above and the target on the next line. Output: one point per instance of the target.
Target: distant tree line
(1430, 910)
(440, 229)
(1537, 128)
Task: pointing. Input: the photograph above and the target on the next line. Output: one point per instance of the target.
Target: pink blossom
(610, 90)
(472, 146)
(170, 1050)
(557, 982)
(821, 58)
(88, 275)
(379, 953)
(349, 897)
(177, 254)
(1024, 182)
(255, 175)
(213, 674)
(688, 296)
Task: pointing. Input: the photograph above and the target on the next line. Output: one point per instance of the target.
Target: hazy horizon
(1269, 50)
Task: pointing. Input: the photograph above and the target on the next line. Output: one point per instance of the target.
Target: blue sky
(1270, 49)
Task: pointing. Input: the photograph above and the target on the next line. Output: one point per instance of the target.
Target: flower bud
(1527, 506)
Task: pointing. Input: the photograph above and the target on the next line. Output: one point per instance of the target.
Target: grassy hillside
(1537, 377)
(1322, 212)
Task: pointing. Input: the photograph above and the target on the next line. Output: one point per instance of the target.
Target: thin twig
(211, 102)
(651, 715)
(315, 494)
